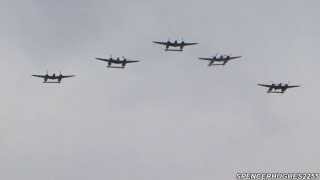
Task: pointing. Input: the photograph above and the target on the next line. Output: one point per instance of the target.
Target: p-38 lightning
(123, 62)
(174, 44)
(47, 77)
(277, 88)
(223, 59)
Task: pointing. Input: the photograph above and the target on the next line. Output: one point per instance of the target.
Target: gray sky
(170, 116)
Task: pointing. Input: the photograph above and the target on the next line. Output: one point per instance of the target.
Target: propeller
(287, 84)
(272, 83)
(46, 77)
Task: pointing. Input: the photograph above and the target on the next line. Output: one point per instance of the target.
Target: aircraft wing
(39, 76)
(265, 85)
(162, 43)
(206, 59)
(189, 44)
(131, 61)
(68, 76)
(103, 59)
(235, 57)
(292, 86)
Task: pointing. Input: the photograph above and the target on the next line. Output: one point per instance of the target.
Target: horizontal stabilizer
(116, 67)
(174, 50)
(52, 82)
(276, 92)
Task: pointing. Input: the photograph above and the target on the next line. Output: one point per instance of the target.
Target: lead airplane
(224, 59)
(274, 88)
(175, 44)
(47, 77)
(117, 60)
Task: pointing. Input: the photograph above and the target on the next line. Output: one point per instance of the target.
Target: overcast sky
(169, 117)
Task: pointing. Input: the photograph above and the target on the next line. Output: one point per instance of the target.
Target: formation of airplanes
(218, 59)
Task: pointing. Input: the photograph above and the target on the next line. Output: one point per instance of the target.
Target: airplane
(219, 58)
(117, 60)
(175, 44)
(59, 77)
(272, 88)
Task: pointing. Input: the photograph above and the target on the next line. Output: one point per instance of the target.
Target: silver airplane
(277, 88)
(47, 77)
(224, 59)
(174, 44)
(117, 60)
